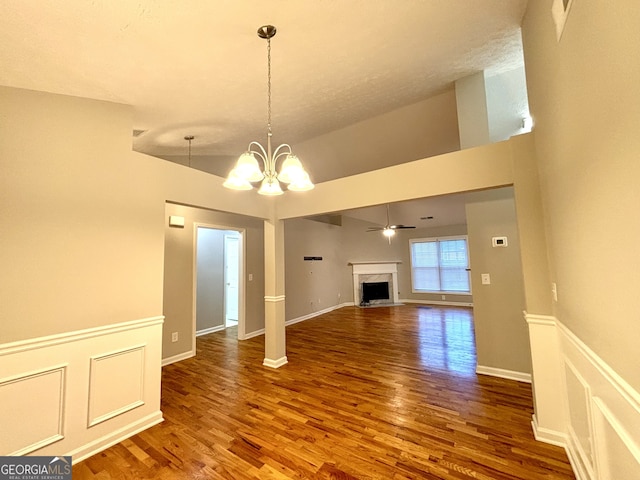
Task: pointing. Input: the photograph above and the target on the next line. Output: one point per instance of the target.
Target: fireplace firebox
(374, 291)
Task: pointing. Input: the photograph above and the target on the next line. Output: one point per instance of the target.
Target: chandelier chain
(269, 85)
(247, 169)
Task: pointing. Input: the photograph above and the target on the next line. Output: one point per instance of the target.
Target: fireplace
(373, 292)
(375, 283)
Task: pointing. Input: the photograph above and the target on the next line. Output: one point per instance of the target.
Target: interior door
(232, 274)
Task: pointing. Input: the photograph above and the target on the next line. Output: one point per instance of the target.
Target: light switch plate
(486, 279)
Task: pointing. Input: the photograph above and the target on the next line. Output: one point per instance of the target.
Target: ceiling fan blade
(375, 229)
(400, 227)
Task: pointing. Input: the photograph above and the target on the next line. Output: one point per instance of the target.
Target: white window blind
(440, 265)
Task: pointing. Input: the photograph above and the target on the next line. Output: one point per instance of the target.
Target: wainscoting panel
(38, 396)
(79, 392)
(618, 454)
(124, 369)
(579, 429)
(602, 428)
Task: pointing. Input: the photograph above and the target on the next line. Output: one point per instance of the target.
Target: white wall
(507, 104)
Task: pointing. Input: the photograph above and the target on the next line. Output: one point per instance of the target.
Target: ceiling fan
(389, 230)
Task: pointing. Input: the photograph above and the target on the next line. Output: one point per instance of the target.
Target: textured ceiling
(198, 67)
(445, 210)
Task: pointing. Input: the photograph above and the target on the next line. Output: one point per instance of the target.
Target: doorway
(219, 279)
(231, 274)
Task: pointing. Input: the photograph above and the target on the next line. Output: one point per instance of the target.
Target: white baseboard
(275, 363)
(256, 333)
(299, 319)
(601, 427)
(206, 331)
(502, 373)
(178, 358)
(318, 313)
(547, 436)
(437, 302)
(118, 436)
(86, 389)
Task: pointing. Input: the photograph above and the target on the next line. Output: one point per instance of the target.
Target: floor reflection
(446, 339)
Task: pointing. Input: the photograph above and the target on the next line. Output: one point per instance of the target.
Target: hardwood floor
(377, 393)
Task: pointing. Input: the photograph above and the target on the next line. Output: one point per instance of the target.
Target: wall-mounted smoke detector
(137, 133)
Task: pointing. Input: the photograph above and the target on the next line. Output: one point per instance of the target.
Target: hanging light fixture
(188, 138)
(247, 169)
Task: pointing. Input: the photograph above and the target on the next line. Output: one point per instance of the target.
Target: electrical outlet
(174, 337)
(444, 297)
(251, 277)
(554, 291)
(486, 279)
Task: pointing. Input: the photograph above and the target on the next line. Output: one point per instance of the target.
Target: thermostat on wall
(499, 241)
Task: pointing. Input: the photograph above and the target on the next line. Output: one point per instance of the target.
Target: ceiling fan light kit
(389, 230)
(247, 169)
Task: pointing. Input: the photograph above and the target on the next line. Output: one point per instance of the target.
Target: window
(440, 265)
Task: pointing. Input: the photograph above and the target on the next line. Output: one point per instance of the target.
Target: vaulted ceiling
(199, 68)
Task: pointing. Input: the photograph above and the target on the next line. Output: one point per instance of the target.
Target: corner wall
(179, 258)
(583, 93)
(502, 339)
(82, 259)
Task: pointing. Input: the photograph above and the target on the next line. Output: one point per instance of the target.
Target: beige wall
(502, 339)
(419, 130)
(584, 95)
(179, 272)
(83, 216)
(81, 241)
(483, 167)
(422, 129)
(312, 285)
(209, 272)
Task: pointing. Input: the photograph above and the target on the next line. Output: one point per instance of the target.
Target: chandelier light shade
(247, 169)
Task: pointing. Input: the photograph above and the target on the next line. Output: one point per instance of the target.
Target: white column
(473, 117)
(550, 407)
(274, 313)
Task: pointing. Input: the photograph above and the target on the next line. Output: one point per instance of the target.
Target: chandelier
(247, 169)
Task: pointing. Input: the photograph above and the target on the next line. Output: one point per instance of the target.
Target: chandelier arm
(262, 153)
(277, 153)
(295, 174)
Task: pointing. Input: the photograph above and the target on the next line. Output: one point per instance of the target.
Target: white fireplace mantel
(375, 268)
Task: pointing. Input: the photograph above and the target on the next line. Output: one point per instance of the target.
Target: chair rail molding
(83, 390)
(600, 422)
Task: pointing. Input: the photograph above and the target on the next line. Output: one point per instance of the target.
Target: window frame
(439, 239)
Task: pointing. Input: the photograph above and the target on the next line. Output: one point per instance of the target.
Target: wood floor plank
(378, 393)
